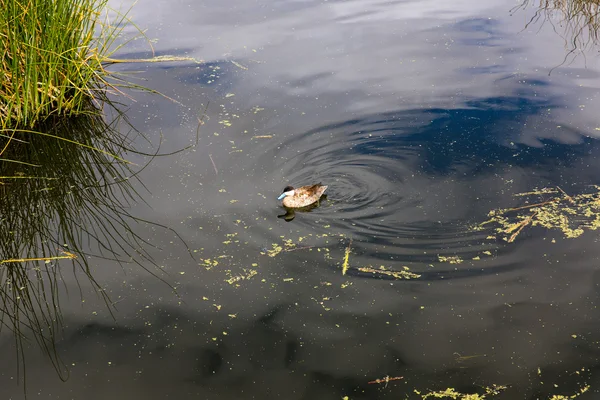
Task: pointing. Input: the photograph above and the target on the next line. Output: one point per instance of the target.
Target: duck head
(287, 191)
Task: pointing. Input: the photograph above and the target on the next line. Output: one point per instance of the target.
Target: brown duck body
(304, 196)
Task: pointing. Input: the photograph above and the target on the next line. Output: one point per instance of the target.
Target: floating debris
(322, 302)
(239, 65)
(209, 263)
(450, 393)
(346, 258)
(276, 249)
(404, 274)
(248, 274)
(572, 215)
(386, 380)
(165, 58)
(460, 358)
(450, 259)
(214, 165)
(288, 245)
(571, 397)
(67, 255)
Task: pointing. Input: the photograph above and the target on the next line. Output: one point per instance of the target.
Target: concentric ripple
(407, 186)
(377, 191)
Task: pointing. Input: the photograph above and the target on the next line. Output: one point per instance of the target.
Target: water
(421, 117)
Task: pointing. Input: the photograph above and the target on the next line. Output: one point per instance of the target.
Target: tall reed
(51, 58)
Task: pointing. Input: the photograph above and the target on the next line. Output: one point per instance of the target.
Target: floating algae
(322, 302)
(275, 249)
(345, 265)
(210, 263)
(554, 209)
(248, 274)
(382, 270)
(570, 397)
(450, 393)
(386, 380)
(450, 259)
(288, 245)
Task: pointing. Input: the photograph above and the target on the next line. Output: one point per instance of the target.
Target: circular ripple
(370, 178)
(401, 191)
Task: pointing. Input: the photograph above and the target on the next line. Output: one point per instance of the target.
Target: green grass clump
(51, 55)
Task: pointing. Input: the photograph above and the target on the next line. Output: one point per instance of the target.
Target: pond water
(421, 117)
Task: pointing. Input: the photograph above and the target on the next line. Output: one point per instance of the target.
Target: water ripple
(408, 185)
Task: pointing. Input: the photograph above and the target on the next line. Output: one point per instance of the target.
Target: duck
(301, 197)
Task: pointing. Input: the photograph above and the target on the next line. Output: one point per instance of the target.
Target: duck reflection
(290, 213)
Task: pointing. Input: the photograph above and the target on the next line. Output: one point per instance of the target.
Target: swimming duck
(302, 196)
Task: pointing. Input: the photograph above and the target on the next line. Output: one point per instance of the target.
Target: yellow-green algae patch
(346, 263)
(275, 249)
(451, 393)
(549, 208)
(209, 263)
(382, 270)
(450, 259)
(289, 245)
(247, 274)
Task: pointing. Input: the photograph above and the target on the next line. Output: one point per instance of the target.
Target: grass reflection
(65, 200)
(577, 21)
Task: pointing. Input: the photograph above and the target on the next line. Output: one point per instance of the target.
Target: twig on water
(299, 248)
(151, 60)
(519, 227)
(213, 163)
(532, 205)
(67, 255)
(566, 195)
(346, 258)
(201, 122)
(386, 380)
(239, 65)
(555, 200)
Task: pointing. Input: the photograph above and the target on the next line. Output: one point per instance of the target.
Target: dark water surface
(421, 116)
